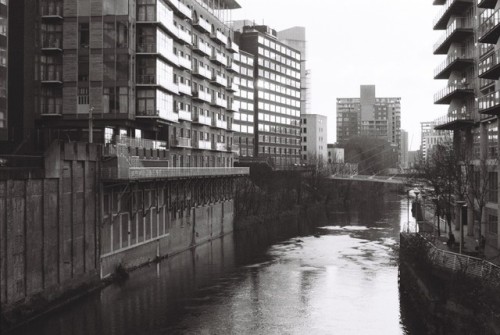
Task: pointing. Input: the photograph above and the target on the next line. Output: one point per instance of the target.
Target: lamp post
(461, 204)
(91, 125)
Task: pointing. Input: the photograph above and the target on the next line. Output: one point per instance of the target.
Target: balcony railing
(52, 10)
(202, 47)
(220, 146)
(202, 71)
(151, 80)
(202, 95)
(203, 119)
(233, 67)
(219, 37)
(203, 24)
(142, 143)
(234, 106)
(182, 142)
(161, 16)
(185, 63)
(168, 115)
(487, 4)
(448, 93)
(489, 68)
(490, 103)
(184, 115)
(219, 80)
(233, 47)
(51, 77)
(185, 10)
(458, 29)
(450, 7)
(220, 124)
(219, 102)
(171, 172)
(152, 48)
(218, 58)
(203, 145)
(52, 42)
(51, 109)
(458, 59)
(185, 89)
(185, 36)
(489, 30)
(456, 119)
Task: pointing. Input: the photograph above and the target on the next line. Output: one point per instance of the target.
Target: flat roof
(224, 4)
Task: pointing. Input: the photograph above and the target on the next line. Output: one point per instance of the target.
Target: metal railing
(141, 142)
(451, 89)
(456, 54)
(178, 172)
(457, 23)
(445, 9)
(456, 115)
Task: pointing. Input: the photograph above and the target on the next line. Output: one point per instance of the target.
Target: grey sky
(387, 43)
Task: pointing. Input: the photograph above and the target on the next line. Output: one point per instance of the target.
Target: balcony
(446, 95)
(202, 96)
(182, 142)
(168, 115)
(184, 115)
(490, 104)
(451, 7)
(51, 77)
(52, 43)
(203, 72)
(185, 63)
(457, 31)
(232, 86)
(146, 80)
(220, 146)
(203, 145)
(201, 47)
(184, 11)
(216, 101)
(202, 119)
(233, 67)
(487, 4)
(152, 49)
(234, 106)
(52, 11)
(218, 58)
(202, 24)
(185, 36)
(456, 120)
(185, 89)
(220, 124)
(489, 68)
(219, 80)
(458, 60)
(142, 143)
(489, 29)
(233, 47)
(161, 16)
(51, 110)
(219, 37)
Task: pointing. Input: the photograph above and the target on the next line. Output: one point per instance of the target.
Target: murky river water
(341, 278)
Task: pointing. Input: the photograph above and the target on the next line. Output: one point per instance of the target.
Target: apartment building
(471, 31)
(430, 137)
(277, 95)
(155, 72)
(244, 116)
(314, 138)
(4, 29)
(370, 116)
(404, 149)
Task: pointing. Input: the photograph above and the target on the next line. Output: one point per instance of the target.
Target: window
(84, 35)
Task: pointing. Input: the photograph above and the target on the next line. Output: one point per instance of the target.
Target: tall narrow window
(84, 35)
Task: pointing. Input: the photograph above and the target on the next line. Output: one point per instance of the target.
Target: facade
(370, 116)
(335, 154)
(295, 37)
(470, 38)
(159, 73)
(244, 116)
(277, 95)
(4, 42)
(429, 137)
(314, 137)
(404, 149)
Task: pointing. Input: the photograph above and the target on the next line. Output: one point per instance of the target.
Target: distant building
(413, 158)
(429, 137)
(404, 149)
(314, 137)
(4, 41)
(335, 154)
(277, 95)
(370, 116)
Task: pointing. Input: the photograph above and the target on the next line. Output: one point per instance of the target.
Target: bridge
(393, 179)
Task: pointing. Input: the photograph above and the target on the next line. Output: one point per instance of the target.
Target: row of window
(244, 59)
(279, 150)
(278, 119)
(278, 88)
(279, 99)
(278, 140)
(278, 109)
(278, 129)
(278, 67)
(278, 47)
(279, 78)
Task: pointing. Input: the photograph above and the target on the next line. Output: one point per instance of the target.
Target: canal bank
(452, 293)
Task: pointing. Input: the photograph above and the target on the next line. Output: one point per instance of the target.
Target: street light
(461, 204)
(91, 125)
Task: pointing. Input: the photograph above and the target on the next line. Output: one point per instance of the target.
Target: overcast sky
(387, 43)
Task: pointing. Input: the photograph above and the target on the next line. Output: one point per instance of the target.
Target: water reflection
(341, 277)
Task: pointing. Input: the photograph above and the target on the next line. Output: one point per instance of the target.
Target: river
(340, 278)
